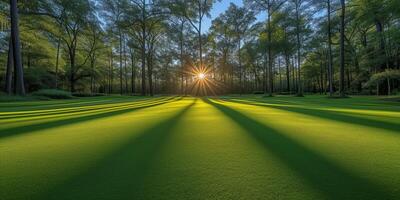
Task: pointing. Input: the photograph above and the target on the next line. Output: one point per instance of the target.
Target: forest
(151, 47)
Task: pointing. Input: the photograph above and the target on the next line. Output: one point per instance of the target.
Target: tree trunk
(19, 78)
(299, 84)
(270, 72)
(9, 70)
(133, 78)
(92, 64)
(72, 75)
(280, 75)
(126, 69)
(330, 59)
(144, 37)
(120, 62)
(342, 53)
(57, 62)
(240, 68)
(181, 56)
(111, 71)
(287, 73)
(150, 72)
(200, 43)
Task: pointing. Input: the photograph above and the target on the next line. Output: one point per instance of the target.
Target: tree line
(148, 47)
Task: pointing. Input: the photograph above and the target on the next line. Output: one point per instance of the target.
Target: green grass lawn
(200, 148)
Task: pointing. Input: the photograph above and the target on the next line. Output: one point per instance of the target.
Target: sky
(219, 8)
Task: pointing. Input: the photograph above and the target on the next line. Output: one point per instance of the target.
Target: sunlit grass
(193, 148)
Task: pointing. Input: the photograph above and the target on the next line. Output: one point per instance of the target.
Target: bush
(53, 94)
(38, 78)
(88, 94)
(258, 92)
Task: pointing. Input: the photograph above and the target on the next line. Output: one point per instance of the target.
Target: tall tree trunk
(9, 70)
(330, 59)
(299, 84)
(342, 53)
(92, 64)
(133, 73)
(111, 71)
(181, 56)
(294, 78)
(287, 62)
(72, 64)
(321, 76)
(120, 62)
(150, 72)
(143, 49)
(240, 68)
(280, 75)
(200, 39)
(126, 68)
(57, 62)
(19, 78)
(270, 60)
(143, 92)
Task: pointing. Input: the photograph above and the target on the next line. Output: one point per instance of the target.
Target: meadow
(200, 148)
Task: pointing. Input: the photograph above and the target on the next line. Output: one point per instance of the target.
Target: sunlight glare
(201, 76)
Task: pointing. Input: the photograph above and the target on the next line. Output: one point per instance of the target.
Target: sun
(201, 76)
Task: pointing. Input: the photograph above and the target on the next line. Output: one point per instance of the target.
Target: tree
(342, 47)
(194, 11)
(19, 87)
(270, 6)
(113, 12)
(240, 20)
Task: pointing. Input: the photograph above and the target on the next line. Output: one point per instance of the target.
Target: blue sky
(219, 8)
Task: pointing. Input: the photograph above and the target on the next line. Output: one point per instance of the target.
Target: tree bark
(240, 68)
(9, 70)
(133, 73)
(330, 60)
(150, 72)
(270, 61)
(19, 87)
(287, 62)
(181, 56)
(342, 48)
(143, 49)
(120, 62)
(57, 62)
(111, 71)
(299, 84)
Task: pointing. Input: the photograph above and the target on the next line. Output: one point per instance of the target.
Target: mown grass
(200, 148)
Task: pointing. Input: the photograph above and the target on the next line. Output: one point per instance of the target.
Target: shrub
(38, 78)
(53, 94)
(81, 94)
(258, 92)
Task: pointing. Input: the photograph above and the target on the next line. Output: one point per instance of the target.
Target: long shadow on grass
(326, 114)
(121, 175)
(78, 119)
(75, 109)
(322, 174)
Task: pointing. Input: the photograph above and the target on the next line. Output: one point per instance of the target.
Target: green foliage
(38, 78)
(382, 77)
(81, 94)
(53, 94)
